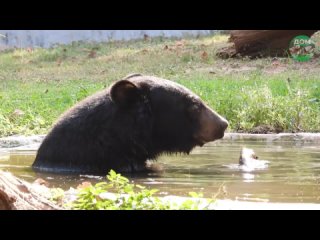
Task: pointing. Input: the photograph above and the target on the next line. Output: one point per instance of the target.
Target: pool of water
(293, 174)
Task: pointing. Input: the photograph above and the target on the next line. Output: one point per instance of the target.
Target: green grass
(43, 83)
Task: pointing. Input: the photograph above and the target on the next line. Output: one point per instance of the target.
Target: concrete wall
(46, 38)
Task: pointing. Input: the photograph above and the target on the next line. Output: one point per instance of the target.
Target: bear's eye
(194, 108)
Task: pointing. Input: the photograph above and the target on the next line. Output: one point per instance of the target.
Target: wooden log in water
(16, 194)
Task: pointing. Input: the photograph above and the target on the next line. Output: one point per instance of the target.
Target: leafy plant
(57, 195)
(127, 196)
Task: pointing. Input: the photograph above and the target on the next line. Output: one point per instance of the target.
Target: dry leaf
(84, 185)
(41, 181)
(204, 55)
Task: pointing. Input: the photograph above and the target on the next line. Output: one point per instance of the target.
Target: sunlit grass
(43, 83)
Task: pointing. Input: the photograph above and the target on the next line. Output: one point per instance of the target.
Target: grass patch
(37, 85)
(284, 106)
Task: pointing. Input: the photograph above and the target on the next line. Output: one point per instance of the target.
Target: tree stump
(261, 43)
(16, 194)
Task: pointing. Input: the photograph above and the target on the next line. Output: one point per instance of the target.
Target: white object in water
(248, 160)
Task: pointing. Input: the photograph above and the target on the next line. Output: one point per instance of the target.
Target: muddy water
(293, 174)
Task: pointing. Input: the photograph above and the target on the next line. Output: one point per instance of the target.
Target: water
(293, 174)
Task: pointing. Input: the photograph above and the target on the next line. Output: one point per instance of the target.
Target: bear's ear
(124, 92)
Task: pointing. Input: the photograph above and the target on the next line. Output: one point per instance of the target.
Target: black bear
(119, 128)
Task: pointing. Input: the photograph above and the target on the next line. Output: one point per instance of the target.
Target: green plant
(127, 196)
(57, 195)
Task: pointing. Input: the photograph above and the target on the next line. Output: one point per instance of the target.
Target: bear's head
(170, 116)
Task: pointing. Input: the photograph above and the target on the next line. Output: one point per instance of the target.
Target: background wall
(46, 38)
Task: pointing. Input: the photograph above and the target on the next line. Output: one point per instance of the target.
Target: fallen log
(261, 43)
(16, 194)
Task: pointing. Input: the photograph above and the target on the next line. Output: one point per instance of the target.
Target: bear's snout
(212, 126)
(223, 125)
